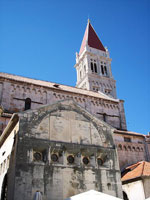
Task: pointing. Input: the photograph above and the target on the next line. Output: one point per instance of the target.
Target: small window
(70, 159)
(85, 160)
(80, 74)
(92, 69)
(105, 70)
(104, 117)
(95, 89)
(109, 186)
(54, 157)
(37, 156)
(100, 161)
(85, 68)
(27, 104)
(126, 139)
(102, 69)
(56, 85)
(95, 67)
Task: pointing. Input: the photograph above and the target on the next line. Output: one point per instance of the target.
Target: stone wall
(16, 89)
(65, 151)
(130, 148)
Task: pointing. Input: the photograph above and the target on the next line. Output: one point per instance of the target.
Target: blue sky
(39, 38)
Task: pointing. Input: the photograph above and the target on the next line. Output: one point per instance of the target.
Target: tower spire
(91, 38)
(93, 65)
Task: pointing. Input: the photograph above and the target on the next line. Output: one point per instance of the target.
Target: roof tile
(137, 170)
(91, 38)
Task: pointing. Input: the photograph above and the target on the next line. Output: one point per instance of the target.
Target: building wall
(15, 89)
(148, 147)
(146, 183)
(5, 155)
(15, 92)
(130, 152)
(134, 190)
(64, 129)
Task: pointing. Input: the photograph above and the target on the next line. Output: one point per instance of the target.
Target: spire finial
(88, 19)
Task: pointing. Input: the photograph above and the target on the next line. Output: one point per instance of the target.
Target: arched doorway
(4, 188)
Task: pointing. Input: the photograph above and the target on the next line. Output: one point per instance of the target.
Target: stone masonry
(50, 137)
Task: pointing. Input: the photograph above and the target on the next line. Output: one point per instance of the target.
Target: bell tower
(93, 65)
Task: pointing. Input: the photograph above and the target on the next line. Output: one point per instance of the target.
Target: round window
(37, 156)
(85, 160)
(99, 161)
(70, 159)
(54, 157)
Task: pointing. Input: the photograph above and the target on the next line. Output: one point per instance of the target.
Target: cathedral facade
(67, 139)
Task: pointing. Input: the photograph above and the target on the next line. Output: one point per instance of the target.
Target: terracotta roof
(91, 38)
(137, 170)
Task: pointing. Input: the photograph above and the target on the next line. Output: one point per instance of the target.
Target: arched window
(95, 67)
(104, 117)
(102, 69)
(105, 70)
(27, 104)
(109, 186)
(92, 69)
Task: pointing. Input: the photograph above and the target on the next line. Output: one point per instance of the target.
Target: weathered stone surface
(64, 129)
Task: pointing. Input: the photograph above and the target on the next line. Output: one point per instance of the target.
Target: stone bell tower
(93, 65)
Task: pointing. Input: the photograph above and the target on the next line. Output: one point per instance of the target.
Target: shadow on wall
(4, 188)
(125, 197)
